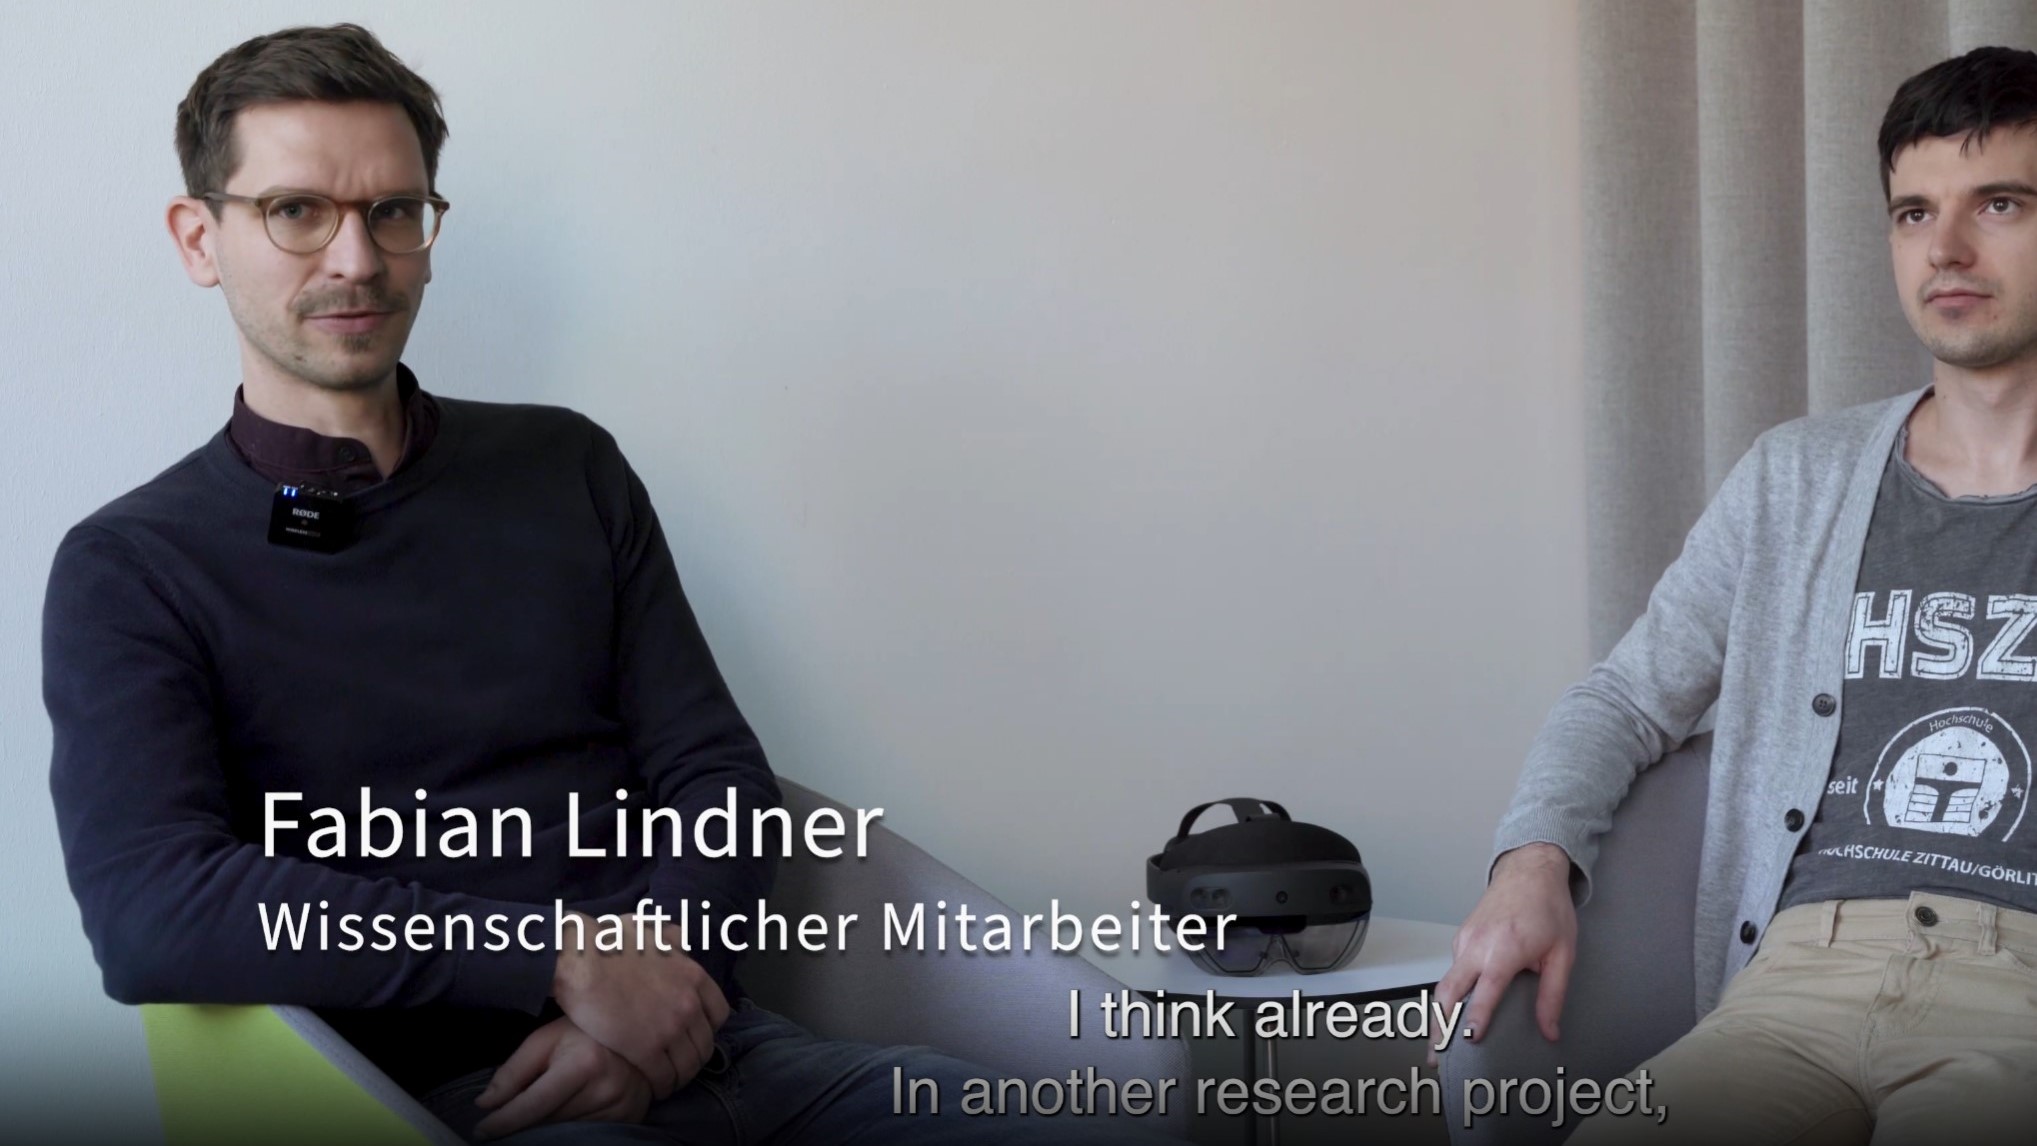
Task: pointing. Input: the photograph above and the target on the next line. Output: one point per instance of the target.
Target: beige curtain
(1735, 260)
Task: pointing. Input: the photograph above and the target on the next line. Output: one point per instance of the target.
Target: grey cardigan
(1751, 616)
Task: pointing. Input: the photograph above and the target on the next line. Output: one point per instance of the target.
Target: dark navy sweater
(508, 627)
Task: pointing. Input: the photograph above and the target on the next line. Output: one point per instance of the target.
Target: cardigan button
(1747, 932)
(1793, 819)
(1823, 704)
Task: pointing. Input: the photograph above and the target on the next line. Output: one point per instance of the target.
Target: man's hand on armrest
(1526, 921)
(657, 1009)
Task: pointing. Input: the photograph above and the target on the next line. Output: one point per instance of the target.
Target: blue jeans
(771, 1083)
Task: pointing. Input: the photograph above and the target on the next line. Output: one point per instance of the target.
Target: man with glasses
(362, 591)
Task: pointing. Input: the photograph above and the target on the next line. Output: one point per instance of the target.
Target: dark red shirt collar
(297, 456)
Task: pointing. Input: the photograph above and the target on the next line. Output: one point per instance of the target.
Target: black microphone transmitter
(306, 517)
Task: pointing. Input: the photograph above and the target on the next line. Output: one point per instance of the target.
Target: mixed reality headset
(1299, 891)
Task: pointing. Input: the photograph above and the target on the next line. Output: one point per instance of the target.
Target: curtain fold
(1736, 262)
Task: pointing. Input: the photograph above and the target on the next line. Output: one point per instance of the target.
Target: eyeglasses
(303, 224)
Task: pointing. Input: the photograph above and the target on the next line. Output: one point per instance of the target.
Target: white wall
(1062, 412)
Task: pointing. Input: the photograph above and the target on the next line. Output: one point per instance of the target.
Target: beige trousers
(1888, 1021)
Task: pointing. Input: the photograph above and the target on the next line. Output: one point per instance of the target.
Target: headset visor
(1309, 948)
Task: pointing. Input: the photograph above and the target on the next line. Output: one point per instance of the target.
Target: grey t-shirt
(1931, 778)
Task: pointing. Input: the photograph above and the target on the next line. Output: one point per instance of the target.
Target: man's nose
(1951, 245)
(352, 254)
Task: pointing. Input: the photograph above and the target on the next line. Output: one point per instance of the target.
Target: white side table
(1400, 957)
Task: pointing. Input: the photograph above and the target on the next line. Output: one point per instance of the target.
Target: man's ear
(192, 229)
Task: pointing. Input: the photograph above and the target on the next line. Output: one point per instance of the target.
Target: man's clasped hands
(639, 1023)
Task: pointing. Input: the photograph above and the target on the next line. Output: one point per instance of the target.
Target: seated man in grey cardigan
(1858, 601)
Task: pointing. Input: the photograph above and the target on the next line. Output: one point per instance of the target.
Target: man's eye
(395, 209)
(2006, 205)
(1910, 216)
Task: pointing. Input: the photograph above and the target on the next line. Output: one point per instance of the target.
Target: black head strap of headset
(1247, 809)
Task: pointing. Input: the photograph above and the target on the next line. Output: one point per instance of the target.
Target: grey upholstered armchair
(1008, 1013)
(1633, 990)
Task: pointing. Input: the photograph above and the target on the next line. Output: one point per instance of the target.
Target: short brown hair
(1967, 96)
(341, 64)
